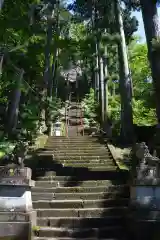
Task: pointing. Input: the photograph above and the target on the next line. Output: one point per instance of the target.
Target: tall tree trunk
(125, 81)
(47, 73)
(52, 77)
(95, 17)
(13, 107)
(56, 52)
(1, 64)
(152, 31)
(97, 75)
(54, 74)
(101, 84)
(105, 70)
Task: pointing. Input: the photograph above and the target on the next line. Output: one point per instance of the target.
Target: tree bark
(125, 81)
(97, 75)
(13, 107)
(101, 83)
(105, 70)
(47, 74)
(152, 31)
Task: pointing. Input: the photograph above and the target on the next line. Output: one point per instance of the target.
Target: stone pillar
(16, 213)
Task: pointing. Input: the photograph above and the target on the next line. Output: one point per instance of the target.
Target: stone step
(58, 165)
(74, 142)
(101, 165)
(76, 153)
(73, 162)
(100, 233)
(78, 138)
(76, 204)
(75, 157)
(54, 183)
(75, 138)
(74, 148)
(74, 145)
(115, 194)
(76, 222)
(90, 166)
(77, 189)
(52, 176)
(82, 173)
(70, 171)
(44, 238)
(87, 212)
(77, 141)
(83, 157)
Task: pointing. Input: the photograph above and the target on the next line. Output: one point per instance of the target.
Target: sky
(140, 31)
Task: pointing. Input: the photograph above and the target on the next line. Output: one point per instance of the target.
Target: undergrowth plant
(90, 108)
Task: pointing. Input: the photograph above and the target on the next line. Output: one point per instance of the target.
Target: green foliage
(143, 115)
(54, 105)
(6, 148)
(90, 107)
(114, 107)
(23, 46)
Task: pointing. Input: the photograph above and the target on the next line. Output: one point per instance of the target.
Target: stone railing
(144, 193)
(16, 213)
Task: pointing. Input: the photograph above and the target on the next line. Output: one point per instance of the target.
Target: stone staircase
(74, 115)
(79, 192)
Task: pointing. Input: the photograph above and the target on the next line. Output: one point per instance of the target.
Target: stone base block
(15, 231)
(145, 229)
(19, 217)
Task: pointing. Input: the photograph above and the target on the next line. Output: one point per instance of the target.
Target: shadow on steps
(40, 165)
(108, 221)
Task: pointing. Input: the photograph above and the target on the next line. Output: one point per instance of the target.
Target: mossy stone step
(73, 170)
(46, 238)
(74, 148)
(54, 183)
(81, 233)
(87, 143)
(74, 145)
(82, 154)
(76, 153)
(104, 165)
(57, 155)
(115, 194)
(80, 203)
(76, 222)
(77, 189)
(81, 157)
(74, 140)
(107, 173)
(52, 175)
(91, 162)
(87, 212)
